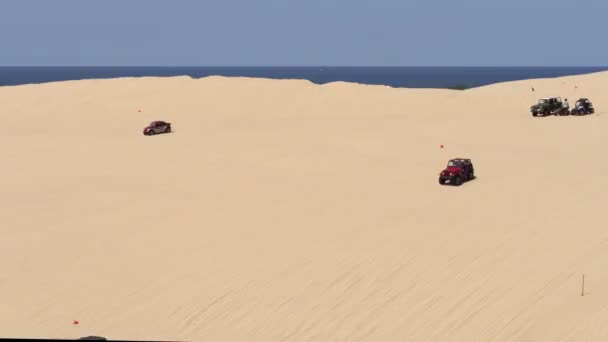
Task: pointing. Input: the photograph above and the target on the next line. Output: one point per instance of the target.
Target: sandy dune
(287, 211)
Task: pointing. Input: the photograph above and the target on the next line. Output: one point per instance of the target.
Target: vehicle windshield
(542, 101)
(454, 164)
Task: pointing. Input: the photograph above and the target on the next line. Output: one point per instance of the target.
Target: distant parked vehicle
(157, 127)
(458, 170)
(583, 106)
(549, 106)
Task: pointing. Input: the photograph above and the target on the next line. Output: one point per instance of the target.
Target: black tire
(534, 114)
(151, 132)
(471, 175)
(457, 181)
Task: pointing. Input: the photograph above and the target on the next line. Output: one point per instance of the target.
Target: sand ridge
(285, 210)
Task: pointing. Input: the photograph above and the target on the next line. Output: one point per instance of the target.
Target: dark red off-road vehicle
(156, 127)
(459, 170)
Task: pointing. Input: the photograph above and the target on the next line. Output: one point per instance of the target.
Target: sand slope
(283, 210)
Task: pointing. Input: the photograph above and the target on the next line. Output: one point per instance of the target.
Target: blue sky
(304, 32)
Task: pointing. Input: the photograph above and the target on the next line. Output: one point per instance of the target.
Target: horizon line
(303, 66)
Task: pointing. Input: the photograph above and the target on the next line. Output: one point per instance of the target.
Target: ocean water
(399, 77)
